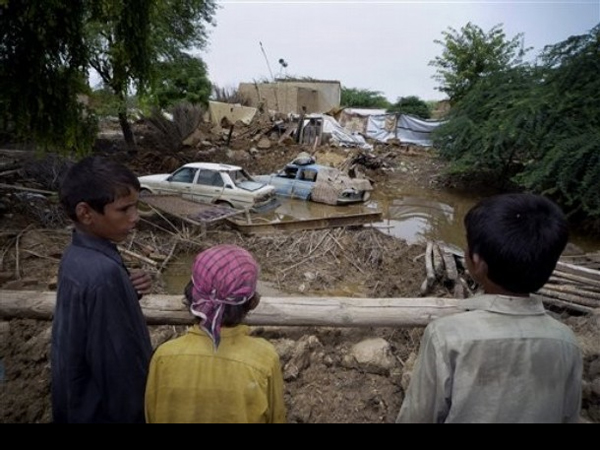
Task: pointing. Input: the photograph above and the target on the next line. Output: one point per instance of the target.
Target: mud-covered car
(219, 184)
(306, 180)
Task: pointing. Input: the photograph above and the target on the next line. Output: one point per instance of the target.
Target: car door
(284, 181)
(209, 186)
(180, 182)
(304, 183)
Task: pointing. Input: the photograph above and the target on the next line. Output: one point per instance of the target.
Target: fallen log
(283, 311)
(577, 270)
(558, 276)
(578, 291)
(450, 265)
(23, 188)
(438, 261)
(567, 305)
(571, 298)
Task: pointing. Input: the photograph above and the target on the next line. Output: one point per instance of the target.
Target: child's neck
(489, 287)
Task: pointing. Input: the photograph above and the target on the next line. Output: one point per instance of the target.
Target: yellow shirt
(241, 382)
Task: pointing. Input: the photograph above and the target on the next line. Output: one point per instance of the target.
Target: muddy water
(414, 215)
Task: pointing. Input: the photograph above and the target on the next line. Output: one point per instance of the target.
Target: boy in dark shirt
(100, 342)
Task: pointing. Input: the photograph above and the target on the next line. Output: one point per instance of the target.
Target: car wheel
(224, 204)
(144, 209)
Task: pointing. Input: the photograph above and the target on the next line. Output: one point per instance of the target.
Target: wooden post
(229, 135)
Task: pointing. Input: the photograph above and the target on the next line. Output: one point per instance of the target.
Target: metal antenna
(267, 60)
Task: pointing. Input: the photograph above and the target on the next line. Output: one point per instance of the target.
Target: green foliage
(470, 55)
(363, 98)
(184, 79)
(534, 127)
(569, 163)
(128, 39)
(104, 102)
(413, 106)
(177, 25)
(117, 35)
(494, 128)
(569, 172)
(47, 47)
(42, 71)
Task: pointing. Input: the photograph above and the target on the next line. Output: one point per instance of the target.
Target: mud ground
(322, 384)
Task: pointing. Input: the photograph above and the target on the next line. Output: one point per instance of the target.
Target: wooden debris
(450, 265)
(572, 286)
(430, 273)
(438, 261)
(571, 297)
(23, 188)
(566, 305)
(441, 265)
(138, 256)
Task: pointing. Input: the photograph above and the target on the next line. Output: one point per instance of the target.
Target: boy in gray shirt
(505, 360)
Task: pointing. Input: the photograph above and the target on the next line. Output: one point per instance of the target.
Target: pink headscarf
(221, 275)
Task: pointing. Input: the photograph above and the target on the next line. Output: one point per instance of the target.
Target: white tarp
(415, 131)
(342, 136)
(337, 133)
(382, 126)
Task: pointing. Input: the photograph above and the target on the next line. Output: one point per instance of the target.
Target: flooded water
(419, 215)
(414, 215)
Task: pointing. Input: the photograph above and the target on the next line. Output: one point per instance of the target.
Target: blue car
(318, 183)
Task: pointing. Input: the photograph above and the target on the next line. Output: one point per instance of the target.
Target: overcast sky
(381, 46)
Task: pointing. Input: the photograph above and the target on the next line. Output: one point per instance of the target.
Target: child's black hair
(232, 314)
(519, 236)
(96, 181)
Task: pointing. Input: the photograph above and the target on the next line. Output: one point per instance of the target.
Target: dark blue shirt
(101, 346)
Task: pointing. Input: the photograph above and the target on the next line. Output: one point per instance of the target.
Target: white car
(219, 184)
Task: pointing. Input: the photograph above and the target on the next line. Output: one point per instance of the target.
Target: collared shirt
(101, 346)
(505, 361)
(240, 382)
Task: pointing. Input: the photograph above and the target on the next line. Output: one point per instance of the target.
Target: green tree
(534, 127)
(471, 54)
(411, 105)
(43, 68)
(568, 163)
(184, 79)
(126, 39)
(363, 98)
(494, 128)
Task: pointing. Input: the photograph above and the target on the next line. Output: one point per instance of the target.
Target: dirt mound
(325, 380)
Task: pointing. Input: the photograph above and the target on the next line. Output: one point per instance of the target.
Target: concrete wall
(291, 96)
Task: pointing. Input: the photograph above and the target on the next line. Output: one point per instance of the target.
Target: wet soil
(323, 384)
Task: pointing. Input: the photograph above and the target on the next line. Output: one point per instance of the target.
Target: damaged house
(293, 96)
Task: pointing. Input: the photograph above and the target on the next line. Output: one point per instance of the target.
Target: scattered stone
(374, 356)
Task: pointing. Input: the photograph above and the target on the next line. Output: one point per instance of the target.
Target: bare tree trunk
(127, 133)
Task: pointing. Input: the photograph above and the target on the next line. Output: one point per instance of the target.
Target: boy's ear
(480, 268)
(83, 211)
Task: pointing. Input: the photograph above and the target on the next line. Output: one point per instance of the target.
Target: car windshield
(239, 176)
